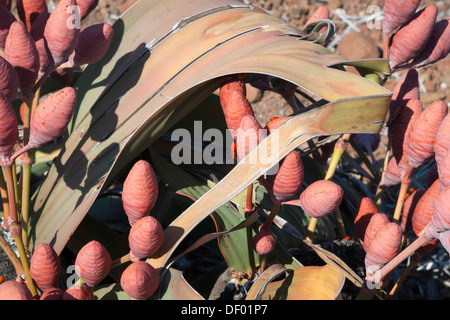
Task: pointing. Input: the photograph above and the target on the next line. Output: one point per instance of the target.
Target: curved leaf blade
(151, 92)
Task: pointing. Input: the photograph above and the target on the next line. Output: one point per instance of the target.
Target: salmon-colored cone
(9, 81)
(397, 12)
(6, 20)
(364, 212)
(13, 290)
(93, 44)
(275, 122)
(438, 45)
(440, 220)
(424, 208)
(320, 14)
(392, 175)
(377, 221)
(423, 133)
(62, 31)
(384, 247)
(21, 52)
(45, 266)
(79, 292)
(412, 38)
(321, 198)
(28, 10)
(444, 171)
(140, 280)
(8, 130)
(248, 135)
(51, 117)
(53, 294)
(234, 102)
(264, 241)
(408, 210)
(37, 33)
(442, 141)
(140, 191)
(85, 7)
(406, 89)
(93, 263)
(400, 128)
(288, 180)
(146, 237)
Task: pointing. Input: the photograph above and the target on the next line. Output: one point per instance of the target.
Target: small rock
(356, 45)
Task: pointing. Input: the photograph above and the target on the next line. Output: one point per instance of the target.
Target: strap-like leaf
(153, 76)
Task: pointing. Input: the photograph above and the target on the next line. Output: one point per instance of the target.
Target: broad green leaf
(157, 72)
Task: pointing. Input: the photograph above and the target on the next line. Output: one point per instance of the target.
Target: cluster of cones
(414, 38)
(93, 262)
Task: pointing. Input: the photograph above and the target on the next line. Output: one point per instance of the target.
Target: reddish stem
(385, 45)
(416, 244)
(249, 201)
(21, 151)
(406, 180)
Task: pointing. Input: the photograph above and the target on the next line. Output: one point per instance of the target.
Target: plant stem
(385, 45)
(379, 192)
(4, 195)
(16, 189)
(251, 257)
(126, 258)
(263, 264)
(311, 228)
(16, 229)
(12, 256)
(409, 250)
(25, 263)
(273, 213)
(339, 149)
(27, 163)
(249, 199)
(400, 200)
(26, 177)
(377, 197)
(249, 209)
(10, 186)
(399, 282)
